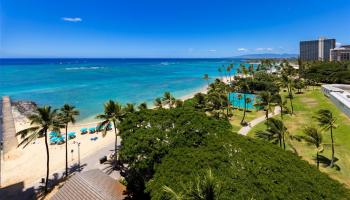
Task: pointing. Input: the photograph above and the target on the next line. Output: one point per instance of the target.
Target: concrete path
(245, 130)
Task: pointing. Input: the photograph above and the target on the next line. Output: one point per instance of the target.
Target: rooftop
(93, 184)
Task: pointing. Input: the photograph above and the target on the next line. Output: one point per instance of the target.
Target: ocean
(89, 83)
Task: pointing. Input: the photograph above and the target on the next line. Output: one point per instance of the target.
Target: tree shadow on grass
(326, 162)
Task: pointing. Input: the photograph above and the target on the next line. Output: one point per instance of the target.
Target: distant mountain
(267, 55)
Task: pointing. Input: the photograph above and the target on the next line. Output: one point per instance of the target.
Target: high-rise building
(316, 49)
(341, 54)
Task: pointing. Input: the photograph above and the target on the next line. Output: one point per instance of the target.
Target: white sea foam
(83, 68)
(167, 63)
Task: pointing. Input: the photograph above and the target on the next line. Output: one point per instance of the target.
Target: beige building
(340, 54)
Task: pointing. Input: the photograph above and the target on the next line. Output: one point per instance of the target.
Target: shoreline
(33, 154)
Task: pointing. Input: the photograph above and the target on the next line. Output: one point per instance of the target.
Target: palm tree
(179, 103)
(266, 101)
(314, 137)
(158, 102)
(168, 99)
(251, 69)
(112, 115)
(327, 121)
(275, 132)
(205, 188)
(142, 106)
(280, 103)
(43, 120)
(220, 72)
(68, 114)
(248, 101)
(129, 108)
(206, 77)
(286, 79)
(199, 101)
(239, 97)
(228, 70)
(244, 70)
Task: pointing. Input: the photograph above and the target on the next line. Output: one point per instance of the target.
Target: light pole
(79, 155)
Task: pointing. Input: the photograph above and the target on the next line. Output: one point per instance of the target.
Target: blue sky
(166, 28)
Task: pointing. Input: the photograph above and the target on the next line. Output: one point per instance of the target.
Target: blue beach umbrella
(53, 134)
(71, 135)
(83, 129)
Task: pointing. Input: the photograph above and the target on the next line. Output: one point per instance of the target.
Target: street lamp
(78, 155)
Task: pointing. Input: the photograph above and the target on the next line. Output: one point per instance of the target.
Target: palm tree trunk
(47, 163)
(67, 149)
(284, 142)
(318, 162)
(244, 110)
(290, 99)
(116, 140)
(332, 161)
(280, 140)
(281, 110)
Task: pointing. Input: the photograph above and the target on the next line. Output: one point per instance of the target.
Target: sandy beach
(30, 167)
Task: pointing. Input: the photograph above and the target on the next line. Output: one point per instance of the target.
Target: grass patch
(305, 107)
(238, 115)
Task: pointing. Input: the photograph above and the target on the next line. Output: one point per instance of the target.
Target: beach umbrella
(53, 134)
(83, 129)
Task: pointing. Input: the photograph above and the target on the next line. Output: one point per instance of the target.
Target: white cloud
(72, 19)
(264, 49)
(242, 49)
(338, 44)
(212, 50)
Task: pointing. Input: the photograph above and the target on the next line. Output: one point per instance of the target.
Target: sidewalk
(245, 130)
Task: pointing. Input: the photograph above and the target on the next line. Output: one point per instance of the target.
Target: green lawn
(237, 117)
(305, 106)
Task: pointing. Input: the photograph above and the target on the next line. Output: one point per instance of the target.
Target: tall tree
(314, 137)
(275, 132)
(142, 106)
(68, 115)
(206, 77)
(244, 87)
(112, 115)
(267, 101)
(205, 188)
(248, 101)
(239, 97)
(251, 69)
(168, 99)
(42, 121)
(287, 80)
(129, 108)
(158, 102)
(327, 121)
(220, 72)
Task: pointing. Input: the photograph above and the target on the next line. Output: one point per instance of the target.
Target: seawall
(10, 142)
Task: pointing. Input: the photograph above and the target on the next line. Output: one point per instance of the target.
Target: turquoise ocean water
(88, 83)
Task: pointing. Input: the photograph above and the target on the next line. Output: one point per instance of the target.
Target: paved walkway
(245, 130)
